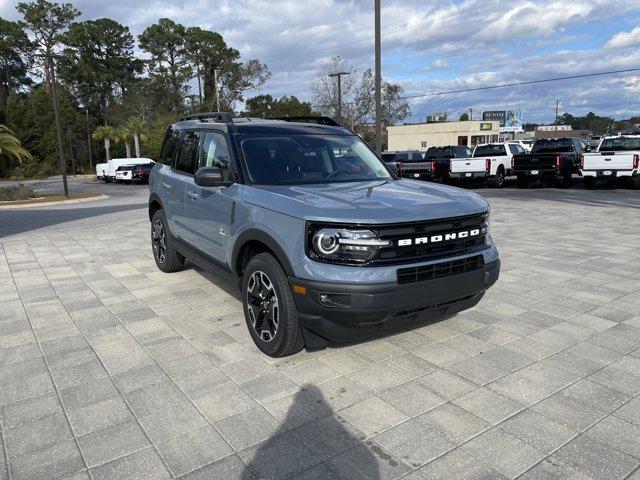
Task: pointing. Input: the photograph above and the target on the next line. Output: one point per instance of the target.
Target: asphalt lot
(112, 369)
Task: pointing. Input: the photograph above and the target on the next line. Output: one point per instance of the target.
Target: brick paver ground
(111, 369)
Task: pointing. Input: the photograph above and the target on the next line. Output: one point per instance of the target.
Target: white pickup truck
(617, 160)
(490, 162)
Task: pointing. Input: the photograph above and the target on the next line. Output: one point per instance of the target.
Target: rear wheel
(589, 183)
(165, 255)
(497, 181)
(269, 308)
(523, 181)
(565, 181)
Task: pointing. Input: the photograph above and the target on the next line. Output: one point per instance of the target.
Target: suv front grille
(439, 270)
(396, 254)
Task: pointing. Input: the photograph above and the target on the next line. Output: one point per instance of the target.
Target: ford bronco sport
(325, 243)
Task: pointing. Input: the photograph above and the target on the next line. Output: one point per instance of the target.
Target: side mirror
(208, 177)
(393, 166)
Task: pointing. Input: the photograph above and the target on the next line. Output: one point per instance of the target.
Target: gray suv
(325, 243)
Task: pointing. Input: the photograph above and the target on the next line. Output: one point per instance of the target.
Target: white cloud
(427, 46)
(625, 39)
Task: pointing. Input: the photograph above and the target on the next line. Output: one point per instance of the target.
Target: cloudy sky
(427, 46)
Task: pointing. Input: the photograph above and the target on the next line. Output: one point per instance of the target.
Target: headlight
(341, 245)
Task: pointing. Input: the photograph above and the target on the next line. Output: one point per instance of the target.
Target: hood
(368, 202)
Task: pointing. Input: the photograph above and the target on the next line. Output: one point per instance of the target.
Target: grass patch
(16, 192)
(49, 198)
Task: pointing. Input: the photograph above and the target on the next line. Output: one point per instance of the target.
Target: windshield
(296, 159)
(388, 157)
(489, 150)
(620, 144)
(552, 146)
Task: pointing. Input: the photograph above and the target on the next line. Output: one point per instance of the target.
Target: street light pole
(56, 111)
(339, 75)
(555, 135)
(378, 88)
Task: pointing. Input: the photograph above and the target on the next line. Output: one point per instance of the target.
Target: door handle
(193, 195)
(167, 186)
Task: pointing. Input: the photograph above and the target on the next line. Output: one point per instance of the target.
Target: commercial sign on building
(495, 116)
(510, 120)
(486, 126)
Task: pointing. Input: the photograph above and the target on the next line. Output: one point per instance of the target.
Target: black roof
(277, 126)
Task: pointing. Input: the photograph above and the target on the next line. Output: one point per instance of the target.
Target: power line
(517, 84)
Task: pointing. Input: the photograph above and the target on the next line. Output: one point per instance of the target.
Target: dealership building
(420, 136)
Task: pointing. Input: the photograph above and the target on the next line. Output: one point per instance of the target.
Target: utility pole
(555, 135)
(339, 75)
(471, 113)
(378, 73)
(50, 68)
(215, 84)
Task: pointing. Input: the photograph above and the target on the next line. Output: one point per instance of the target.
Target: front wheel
(269, 308)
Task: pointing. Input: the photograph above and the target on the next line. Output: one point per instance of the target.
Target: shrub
(16, 192)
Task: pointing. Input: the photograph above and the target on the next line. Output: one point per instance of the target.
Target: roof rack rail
(318, 119)
(223, 117)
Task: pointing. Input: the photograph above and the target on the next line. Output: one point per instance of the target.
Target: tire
(565, 181)
(635, 183)
(266, 296)
(165, 255)
(523, 181)
(589, 183)
(497, 181)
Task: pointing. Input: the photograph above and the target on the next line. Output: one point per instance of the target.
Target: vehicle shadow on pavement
(14, 222)
(318, 445)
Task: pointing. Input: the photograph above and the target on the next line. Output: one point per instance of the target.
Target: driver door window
(215, 153)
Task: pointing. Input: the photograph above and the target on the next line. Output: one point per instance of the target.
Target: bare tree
(325, 88)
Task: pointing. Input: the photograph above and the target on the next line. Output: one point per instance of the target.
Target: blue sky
(427, 46)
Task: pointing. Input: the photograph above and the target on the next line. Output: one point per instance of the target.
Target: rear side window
(215, 153)
(489, 150)
(188, 153)
(169, 146)
(463, 152)
(515, 149)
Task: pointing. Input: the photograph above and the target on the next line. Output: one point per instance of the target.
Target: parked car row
(125, 170)
(550, 161)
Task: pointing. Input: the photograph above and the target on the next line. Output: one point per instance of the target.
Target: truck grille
(396, 254)
(439, 270)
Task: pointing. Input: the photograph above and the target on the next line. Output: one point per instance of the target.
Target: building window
(423, 144)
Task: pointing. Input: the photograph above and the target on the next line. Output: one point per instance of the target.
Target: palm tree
(11, 147)
(124, 135)
(106, 134)
(136, 126)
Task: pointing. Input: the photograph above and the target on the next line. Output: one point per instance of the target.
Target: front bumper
(357, 311)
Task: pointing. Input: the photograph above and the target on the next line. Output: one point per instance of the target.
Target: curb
(60, 202)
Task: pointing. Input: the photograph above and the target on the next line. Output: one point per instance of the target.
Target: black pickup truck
(550, 160)
(409, 164)
(440, 158)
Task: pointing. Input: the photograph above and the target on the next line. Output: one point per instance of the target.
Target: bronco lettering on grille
(446, 237)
